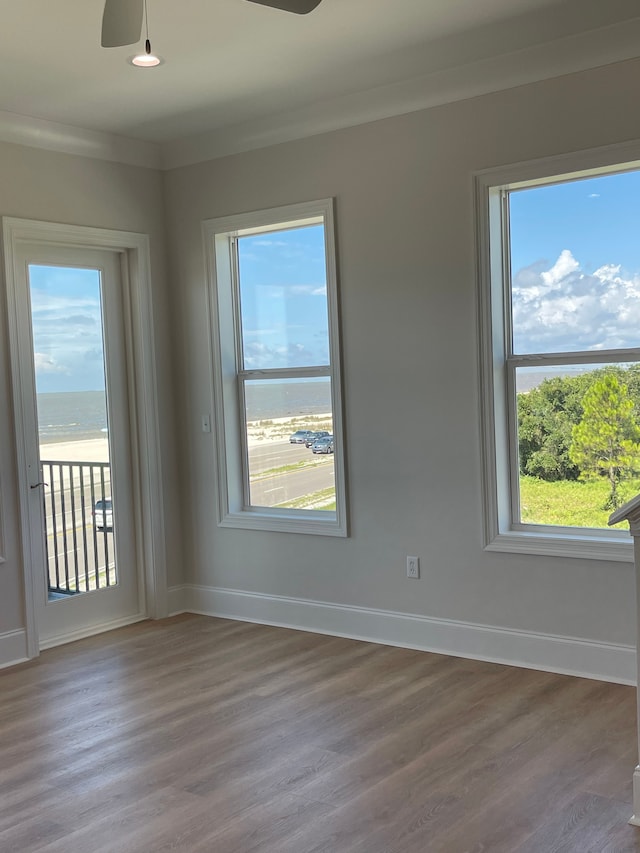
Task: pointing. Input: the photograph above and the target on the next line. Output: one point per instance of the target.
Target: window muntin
(276, 369)
(556, 301)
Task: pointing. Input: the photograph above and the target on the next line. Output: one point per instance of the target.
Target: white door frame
(141, 367)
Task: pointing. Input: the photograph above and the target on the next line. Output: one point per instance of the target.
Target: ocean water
(273, 399)
(79, 415)
(71, 416)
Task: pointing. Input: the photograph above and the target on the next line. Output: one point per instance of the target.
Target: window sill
(283, 523)
(585, 546)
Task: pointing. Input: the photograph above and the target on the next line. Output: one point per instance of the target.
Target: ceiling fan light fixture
(146, 59)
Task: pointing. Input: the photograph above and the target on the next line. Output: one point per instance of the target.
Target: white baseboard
(13, 648)
(90, 631)
(566, 655)
(176, 597)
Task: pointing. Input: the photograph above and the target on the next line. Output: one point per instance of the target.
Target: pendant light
(146, 59)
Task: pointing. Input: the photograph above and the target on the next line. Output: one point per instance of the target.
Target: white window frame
(498, 414)
(229, 427)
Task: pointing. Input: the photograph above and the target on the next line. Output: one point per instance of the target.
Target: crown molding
(581, 52)
(67, 139)
(606, 45)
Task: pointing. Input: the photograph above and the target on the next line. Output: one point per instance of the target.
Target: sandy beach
(279, 429)
(259, 433)
(89, 450)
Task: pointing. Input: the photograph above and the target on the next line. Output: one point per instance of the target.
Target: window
(559, 264)
(278, 417)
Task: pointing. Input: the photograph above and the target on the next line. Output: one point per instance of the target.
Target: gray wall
(407, 292)
(42, 185)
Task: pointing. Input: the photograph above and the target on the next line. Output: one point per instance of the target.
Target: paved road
(276, 454)
(287, 485)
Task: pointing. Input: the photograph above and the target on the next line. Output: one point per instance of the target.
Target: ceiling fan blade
(300, 7)
(121, 22)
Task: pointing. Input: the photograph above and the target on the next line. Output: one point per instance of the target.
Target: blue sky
(575, 257)
(283, 298)
(575, 251)
(597, 218)
(67, 329)
(284, 311)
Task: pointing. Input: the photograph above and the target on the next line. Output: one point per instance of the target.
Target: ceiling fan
(122, 19)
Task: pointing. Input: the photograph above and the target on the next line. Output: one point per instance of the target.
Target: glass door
(75, 405)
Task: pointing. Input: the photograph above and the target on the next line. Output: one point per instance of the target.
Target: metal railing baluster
(63, 510)
(83, 505)
(96, 575)
(74, 534)
(44, 510)
(104, 530)
(54, 526)
(65, 547)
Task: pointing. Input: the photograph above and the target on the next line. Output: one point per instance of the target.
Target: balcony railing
(78, 538)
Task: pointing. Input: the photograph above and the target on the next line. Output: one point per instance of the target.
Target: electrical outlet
(413, 567)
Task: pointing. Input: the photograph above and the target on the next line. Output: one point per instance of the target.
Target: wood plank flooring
(213, 736)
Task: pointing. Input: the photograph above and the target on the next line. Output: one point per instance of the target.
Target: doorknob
(35, 485)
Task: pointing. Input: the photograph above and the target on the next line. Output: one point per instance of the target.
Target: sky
(284, 311)
(67, 329)
(283, 295)
(575, 260)
(575, 254)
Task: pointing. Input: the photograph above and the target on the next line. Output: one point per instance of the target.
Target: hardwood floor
(212, 736)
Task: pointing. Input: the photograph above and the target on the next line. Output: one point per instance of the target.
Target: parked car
(323, 445)
(300, 436)
(319, 433)
(103, 514)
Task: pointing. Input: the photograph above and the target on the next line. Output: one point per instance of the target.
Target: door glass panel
(69, 362)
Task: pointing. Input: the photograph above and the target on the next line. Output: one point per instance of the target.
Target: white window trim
(497, 442)
(228, 418)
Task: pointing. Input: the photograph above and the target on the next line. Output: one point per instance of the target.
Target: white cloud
(258, 355)
(284, 291)
(564, 266)
(564, 308)
(45, 364)
(308, 289)
(45, 303)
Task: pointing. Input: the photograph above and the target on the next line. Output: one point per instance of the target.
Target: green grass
(324, 499)
(569, 503)
(287, 469)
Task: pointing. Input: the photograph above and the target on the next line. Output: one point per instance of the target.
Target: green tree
(606, 442)
(546, 417)
(548, 413)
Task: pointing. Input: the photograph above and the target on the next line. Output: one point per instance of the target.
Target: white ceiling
(242, 71)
